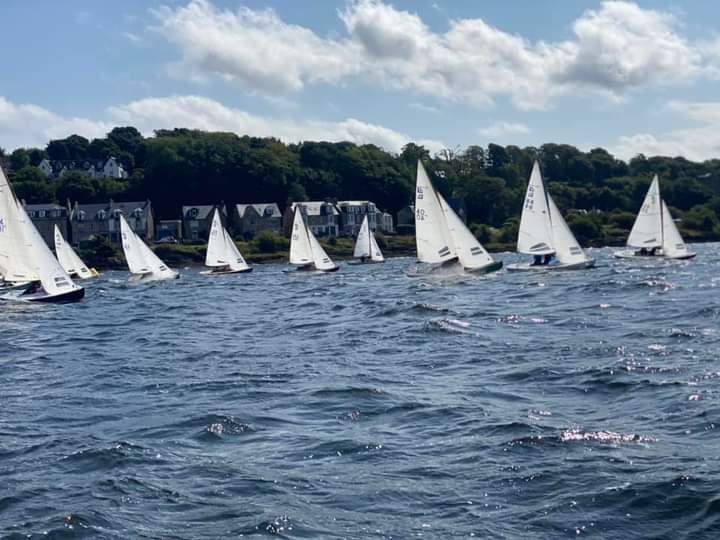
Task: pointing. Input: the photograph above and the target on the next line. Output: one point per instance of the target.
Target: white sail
(673, 245)
(471, 253)
(535, 233)
(320, 258)
(68, 259)
(30, 248)
(300, 250)
(567, 249)
(366, 245)
(647, 231)
(13, 265)
(221, 250)
(431, 230)
(140, 258)
(375, 253)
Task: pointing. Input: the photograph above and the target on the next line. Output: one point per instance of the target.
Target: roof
(260, 208)
(312, 208)
(47, 206)
(201, 211)
(125, 207)
(57, 165)
(354, 203)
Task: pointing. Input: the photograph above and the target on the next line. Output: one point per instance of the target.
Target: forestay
(471, 253)
(647, 230)
(68, 259)
(535, 233)
(432, 235)
(221, 250)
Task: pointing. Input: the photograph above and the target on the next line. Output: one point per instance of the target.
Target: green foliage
(269, 242)
(184, 166)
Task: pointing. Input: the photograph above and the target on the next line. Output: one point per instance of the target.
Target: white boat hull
(20, 294)
(150, 276)
(529, 267)
(630, 254)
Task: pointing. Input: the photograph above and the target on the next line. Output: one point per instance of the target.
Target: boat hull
(19, 294)
(487, 269)
(529, 267)
(225, 272)
(365, 262)
(629, 254)
(310, 268)
(147, 278)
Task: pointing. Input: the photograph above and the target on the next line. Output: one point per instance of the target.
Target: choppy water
(368, 404)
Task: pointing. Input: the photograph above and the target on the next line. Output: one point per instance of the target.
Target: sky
(632, 77)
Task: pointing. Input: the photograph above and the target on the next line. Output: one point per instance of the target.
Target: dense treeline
(599, 193)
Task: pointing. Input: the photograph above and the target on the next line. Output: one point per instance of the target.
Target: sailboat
(69, 260)
(654, 233)
(141, 260)
(28, 264)
(305, 251)
(544, 233)
(222, 254)
(366, 247)
(441, 237)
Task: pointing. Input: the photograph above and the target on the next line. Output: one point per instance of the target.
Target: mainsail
(535, 235)
(647, 231)
(432, 235)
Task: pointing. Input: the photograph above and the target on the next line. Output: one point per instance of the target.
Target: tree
(19, 158)
(73, 147)
(75, 186)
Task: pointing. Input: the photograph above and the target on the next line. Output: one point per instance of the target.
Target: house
(197, 221)
(385, 223)
(352, 214)
(90, 220)
(251, 219)
(45, 217)
(322, 217)
(406, 220)
(109, 168)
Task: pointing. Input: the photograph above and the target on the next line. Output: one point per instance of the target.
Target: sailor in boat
(537, 260)
(547, 258)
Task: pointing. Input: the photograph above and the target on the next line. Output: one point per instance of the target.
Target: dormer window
(81, 215)
(137, 213)
(116, 213)
(101, 215)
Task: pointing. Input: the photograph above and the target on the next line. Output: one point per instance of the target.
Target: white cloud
(253, 49)
(504, 129)
(696, 143)
(30, 125)
(615, 49)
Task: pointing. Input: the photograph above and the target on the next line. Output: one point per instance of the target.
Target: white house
(110, 168)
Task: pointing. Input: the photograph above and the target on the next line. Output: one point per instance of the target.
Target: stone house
(251, 219)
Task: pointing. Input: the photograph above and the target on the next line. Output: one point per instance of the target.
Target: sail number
(420, 214)
(530, 199)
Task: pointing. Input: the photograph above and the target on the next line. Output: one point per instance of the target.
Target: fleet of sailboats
(441, 237)
(223, 256)
(366, 247)
(142, 262)
(30, 272)
(69, 260)
(306, 253)
(654, 233)
(544, 234)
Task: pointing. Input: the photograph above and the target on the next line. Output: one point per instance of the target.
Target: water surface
(368, 404)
